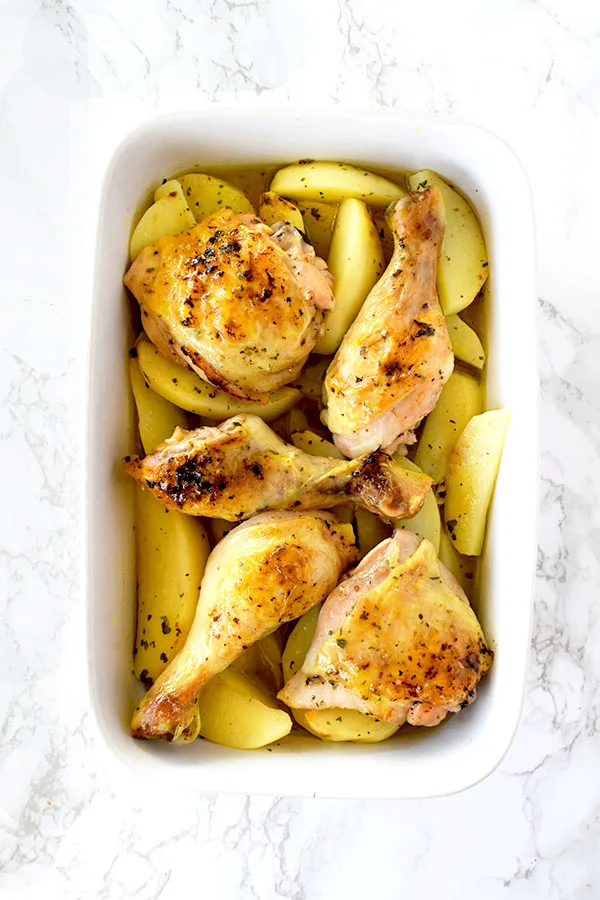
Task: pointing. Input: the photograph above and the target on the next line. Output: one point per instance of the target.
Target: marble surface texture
(70, 826)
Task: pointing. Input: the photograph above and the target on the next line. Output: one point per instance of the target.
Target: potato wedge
(187, 390)
(332, 182)
(206, 194)
(346, 725)
(461, 399)
(465, 343)
(319, 221)
(462, 567)
(157, 418)
(427, 522)
(262, 663)
(273, 209)
(370, 531)
(170, 214)
(310, 380)
(171, 550)
(217, 529)
(237, 712)
(314, 445)
(385, 234)
(328, 724)
(356, 263)
(463, 265)
(471, 477)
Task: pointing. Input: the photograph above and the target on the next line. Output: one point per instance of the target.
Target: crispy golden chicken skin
(266, 571)
(395, 358)
(397, 639)
(242, 467)
(238, 303)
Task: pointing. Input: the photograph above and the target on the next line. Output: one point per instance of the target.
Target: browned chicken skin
(238, 303)
(397, 639)
(394, 360)
(242, 467)
(267, 571)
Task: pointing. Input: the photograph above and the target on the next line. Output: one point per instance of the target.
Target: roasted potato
(463, 265)
(462, 567)
(187, 390)
(332, 182)
(471, 477)
(427, 522)
(370, 531)
(356, 263)
(465, 343)
(262, 663)
(328, 724)
(310, 380)
(170, 214)
(273, 209)
(319, 222)
(237, 712)
(461, 399)
(205, 194)
(314, 445)
(171, 550)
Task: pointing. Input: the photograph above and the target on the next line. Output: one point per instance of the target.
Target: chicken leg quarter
(242, 467)
(394, 360)
(397, 639)
(266, 571)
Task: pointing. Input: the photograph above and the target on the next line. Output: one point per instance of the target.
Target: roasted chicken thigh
(242, 467)
(240, 304)
(397, 639)
(395, 358)
(266, 571)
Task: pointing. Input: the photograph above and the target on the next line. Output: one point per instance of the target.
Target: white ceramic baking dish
(418, 762)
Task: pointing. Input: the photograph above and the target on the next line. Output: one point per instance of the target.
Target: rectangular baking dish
(418, 762)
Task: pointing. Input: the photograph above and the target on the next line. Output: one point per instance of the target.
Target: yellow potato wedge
(310, 380)
(471, 477)
(370, 531)
(217, 529)
(170, 214)
(346, 725)
(332, 182)
(385, 234)
(157, 418)
(262, 663)
(187, 390)
(465, 343)
(463, 265)
(461, 399)
(314, 445)
(237, 712)
(462, 567)
(294, 420)
(171, 549)
(206, 194)
(319, 221)
(427, 522)
(328, 724)
(273, 209)
(356, 263)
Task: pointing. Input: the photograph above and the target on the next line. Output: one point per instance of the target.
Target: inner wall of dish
(143, 163)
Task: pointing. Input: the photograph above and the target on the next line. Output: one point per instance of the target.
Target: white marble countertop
(72, 827)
